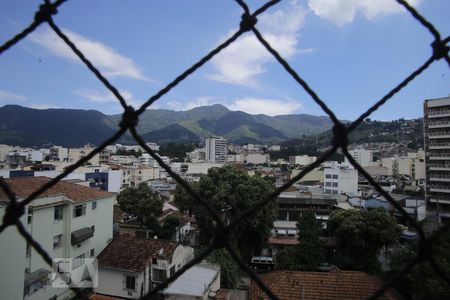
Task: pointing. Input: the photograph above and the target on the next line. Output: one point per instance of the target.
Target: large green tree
(230, 192)
(422, 281)
(361, 235)
(311, 249)
(310, 252)
(142, 202)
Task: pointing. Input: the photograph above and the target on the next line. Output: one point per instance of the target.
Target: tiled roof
(282, 240)
(318, 285)
(126, 252)
(24, 186)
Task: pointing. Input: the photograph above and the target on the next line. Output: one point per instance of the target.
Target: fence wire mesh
(130, 118)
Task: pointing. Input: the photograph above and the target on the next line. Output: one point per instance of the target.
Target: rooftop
(318, 285)
(24, 186)
(194, 281)
(126, 252)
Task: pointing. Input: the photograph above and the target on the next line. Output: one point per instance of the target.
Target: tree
(229, 270)
(183, 199)
(422, 281)
(311, 250)
(142, 202)
(169, 227)
(231, 192)
(288, 258)
(361, 235)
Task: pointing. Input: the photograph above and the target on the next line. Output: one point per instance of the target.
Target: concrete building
(197, 155)
(391, 164)
(197, 283)
(257, 158)
(75, 154)
(340, 179)
(216, 150)
(301, 160)
(129, 267)
(437, 158)
(68, 220)
(4, 150)
(362, 156)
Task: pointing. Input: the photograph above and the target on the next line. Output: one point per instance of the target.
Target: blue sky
(351, 52)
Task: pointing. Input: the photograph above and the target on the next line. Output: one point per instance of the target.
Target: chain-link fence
(130, 118)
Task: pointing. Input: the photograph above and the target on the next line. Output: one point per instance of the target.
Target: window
(94, 205)
(57, 241)
(172, 271)
(327, 183)
(30, 215)
(129, 282)
(78, 261)
(58, 213)
(93, 228)
(92, 253)
(335, 176)
(335, 184)
(328, 176)
(154, 260)
(159, 275)
(79, 210)
(28, 250)
(334, 192)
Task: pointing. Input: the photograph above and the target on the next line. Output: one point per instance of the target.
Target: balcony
(436, 167)
(439, 124)
(434, 200)
(442, 178)
(440, 188)
(439, 113)
(445, 145)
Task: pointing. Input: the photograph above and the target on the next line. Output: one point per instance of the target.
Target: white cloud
(107, 59)
(342, 12)
(268, 107)
(201, 101)
(99, 97)
(240, 62)
(43, 106)
(9, 96)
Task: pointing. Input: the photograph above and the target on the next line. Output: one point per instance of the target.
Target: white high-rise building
(436, 121)
(216, 150)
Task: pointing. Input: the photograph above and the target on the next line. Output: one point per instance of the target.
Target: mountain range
(24, 126)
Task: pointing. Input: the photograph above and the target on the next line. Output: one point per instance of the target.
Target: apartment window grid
(130, 117)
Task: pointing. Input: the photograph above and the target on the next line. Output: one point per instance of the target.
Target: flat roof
(193, 281)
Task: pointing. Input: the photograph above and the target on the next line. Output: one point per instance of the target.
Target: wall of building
(111, 282)
(12, 261)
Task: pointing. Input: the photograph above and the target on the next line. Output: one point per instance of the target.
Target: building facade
(216, 150)
(69, 221)
(437, 156)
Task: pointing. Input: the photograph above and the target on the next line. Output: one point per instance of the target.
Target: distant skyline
(350, 52)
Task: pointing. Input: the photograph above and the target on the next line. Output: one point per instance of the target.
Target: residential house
(129, 267)
(336, 284)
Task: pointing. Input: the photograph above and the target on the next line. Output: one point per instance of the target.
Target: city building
(301, 160)
(197, 283)
(335, 284)
(68, 220)
(362, 156)
(129, 267)
(216, 150)
(340, 179)
(437, 158)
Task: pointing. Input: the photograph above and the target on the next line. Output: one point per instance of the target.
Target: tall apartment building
(216, 150)
(68, 220)
(437, 156)
(340, 178)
